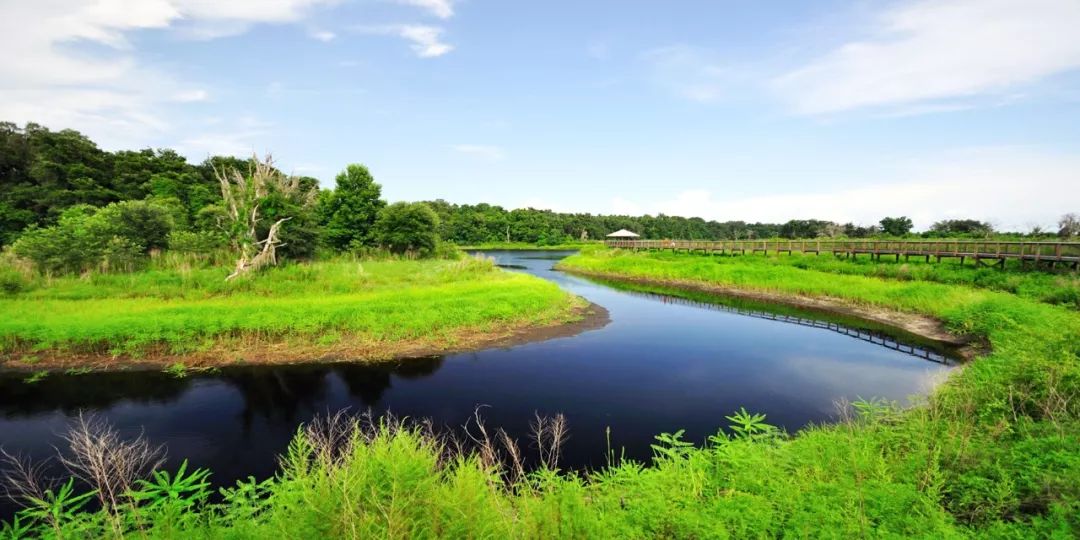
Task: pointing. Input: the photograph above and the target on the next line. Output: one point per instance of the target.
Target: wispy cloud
(443, 9)
(105, 90)
(424, 40)
(485, 151)
(929, 50)
(324, 36)
(688, 72)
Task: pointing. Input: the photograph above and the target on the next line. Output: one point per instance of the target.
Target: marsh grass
(372, 303)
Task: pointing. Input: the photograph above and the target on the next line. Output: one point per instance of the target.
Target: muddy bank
(247, 351)
(923, 326)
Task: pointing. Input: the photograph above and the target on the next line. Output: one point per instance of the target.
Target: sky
(724, 109)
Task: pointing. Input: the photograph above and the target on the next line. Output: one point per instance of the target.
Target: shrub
(69, 246)
(11, 281)
(199, 242)
(114, 237)
(139, 222)
(408, 228)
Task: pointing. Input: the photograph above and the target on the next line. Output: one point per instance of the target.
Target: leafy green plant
(671, 445)
(36, 376)
(170, 497)
(177, 370)
(56, 508)
(751, 426)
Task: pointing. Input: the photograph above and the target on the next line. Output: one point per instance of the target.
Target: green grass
(526, 246)
(994, 452)
(304, 305)
(1057, 287)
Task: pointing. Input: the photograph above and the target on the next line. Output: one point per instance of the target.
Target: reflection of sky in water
(656, 367)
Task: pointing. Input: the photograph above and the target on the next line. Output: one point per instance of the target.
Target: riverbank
(525, 246)
(326, 311)
(992, 452)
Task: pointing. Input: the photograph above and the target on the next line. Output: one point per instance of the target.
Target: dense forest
(68, 205)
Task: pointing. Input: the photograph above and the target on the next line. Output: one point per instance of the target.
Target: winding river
(663, 363)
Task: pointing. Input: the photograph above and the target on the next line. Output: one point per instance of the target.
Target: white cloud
(239, 137)
(688, 72)
(324, 36)
(485, 151)
(51, 77)
(190, 96)
(443, 9)
(1008, 187)
(930, 50)
(424, 40)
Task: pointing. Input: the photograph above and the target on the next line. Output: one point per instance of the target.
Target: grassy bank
(1055, 287)
(994, 452)
(338, 308)
(525, 246)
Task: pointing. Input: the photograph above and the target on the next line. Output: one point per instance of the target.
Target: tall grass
(371, 303)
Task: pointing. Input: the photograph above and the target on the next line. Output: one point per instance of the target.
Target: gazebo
(622, 234)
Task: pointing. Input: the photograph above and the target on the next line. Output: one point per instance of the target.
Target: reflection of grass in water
(749, 306)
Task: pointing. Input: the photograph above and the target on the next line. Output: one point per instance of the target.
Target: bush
(114, 237)
(12, 281)
(139, 222)
(200, 242)
(408, 228)
(65, 247)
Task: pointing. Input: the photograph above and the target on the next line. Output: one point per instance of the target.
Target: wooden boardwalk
(984, 252)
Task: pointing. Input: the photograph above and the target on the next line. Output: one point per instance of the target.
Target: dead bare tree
(243, 195)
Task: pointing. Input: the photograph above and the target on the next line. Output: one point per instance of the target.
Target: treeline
(472, 224)
(68, 206)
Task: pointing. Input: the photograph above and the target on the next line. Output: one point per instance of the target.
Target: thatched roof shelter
(623, 233)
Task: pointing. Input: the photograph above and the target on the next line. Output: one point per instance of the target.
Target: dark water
(662, 364)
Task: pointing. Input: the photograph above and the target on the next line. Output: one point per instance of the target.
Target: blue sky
(726, 109)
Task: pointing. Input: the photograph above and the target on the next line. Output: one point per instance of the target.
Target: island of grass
(342, 309)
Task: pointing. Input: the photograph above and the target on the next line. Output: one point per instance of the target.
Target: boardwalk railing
(1050, 253)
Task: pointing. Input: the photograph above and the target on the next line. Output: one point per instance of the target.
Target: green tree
(350, 210)
(142, 223)
(896, 226)
(407, 228)
(961, 227)
(1069, 225)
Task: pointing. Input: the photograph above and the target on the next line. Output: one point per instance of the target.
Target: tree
(961, 227)
(1069, 225)
(896, 226)
(350, 210)
(250, 234)
(141, 222)
(407, 228)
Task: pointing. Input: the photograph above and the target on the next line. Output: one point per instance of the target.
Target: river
(662, 363)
